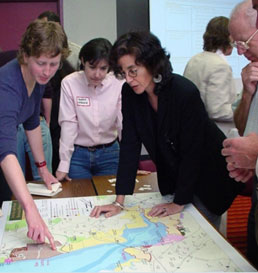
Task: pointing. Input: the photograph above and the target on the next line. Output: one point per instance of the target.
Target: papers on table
(41, 189)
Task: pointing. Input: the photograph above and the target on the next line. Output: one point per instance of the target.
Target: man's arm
(241, 151)
(249, 78)
(242, 111)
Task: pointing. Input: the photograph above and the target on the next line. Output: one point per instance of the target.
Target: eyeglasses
(243, 45)
(131, 73)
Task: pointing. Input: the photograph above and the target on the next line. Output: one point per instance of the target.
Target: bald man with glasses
(241, 153)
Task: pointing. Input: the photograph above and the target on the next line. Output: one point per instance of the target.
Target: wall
(15, 17)
(88, 19)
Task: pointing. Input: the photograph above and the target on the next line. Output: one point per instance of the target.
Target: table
(128, 242)
(74, 188)
(105, 185)
(196, 228)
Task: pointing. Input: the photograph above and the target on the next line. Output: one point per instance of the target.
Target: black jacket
(182, 141)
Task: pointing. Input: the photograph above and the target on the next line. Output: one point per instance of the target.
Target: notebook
(41, 189)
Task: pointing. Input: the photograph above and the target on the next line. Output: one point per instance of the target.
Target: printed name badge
(83, 101)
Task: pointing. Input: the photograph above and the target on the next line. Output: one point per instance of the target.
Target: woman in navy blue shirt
(22, 84)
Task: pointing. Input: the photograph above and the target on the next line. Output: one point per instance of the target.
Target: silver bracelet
(118, 205)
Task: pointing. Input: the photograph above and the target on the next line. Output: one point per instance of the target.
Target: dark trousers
(5, 192)
(252, 246)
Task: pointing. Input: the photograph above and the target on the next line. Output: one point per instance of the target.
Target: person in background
(212, 74)
(22, 84)
(242, 152)
(73, 58)
(53, 87)
(90, 116)
(164, 112)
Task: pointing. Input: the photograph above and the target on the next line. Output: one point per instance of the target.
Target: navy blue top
(16, 106)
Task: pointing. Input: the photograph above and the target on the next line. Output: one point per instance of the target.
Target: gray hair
(244, 10)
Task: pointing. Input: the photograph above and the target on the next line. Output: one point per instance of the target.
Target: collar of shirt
(103, 83)
(221, 54)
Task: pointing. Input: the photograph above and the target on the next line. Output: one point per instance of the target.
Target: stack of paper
(41, 189)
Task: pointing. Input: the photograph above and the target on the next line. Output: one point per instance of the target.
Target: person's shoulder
(181, 85)
(11, 70)
(111, 79)
(214, 58)
(196, 56)
(74, 76)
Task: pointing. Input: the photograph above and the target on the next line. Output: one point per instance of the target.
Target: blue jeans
(85, 163)
(23, 147)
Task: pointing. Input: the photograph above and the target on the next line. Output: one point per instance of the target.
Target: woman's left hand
(165, 209)
(47, 177)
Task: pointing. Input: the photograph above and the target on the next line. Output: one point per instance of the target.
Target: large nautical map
(129, 242)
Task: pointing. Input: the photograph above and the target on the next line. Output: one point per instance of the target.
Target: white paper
(41, 189)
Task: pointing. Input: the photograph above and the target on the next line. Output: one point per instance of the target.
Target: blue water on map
(96, 258)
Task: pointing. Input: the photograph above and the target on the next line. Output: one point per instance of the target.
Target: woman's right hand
(37, 229)
(108, 210)
(62, 176)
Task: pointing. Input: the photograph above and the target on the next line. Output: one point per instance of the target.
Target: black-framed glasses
(244, 45)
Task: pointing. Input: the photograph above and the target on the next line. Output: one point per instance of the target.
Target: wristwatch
(41, 164)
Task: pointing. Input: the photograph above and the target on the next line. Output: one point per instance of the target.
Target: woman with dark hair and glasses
(211, 72)
(90, 116)
(164, 112)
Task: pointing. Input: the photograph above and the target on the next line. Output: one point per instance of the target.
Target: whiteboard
(180, 25)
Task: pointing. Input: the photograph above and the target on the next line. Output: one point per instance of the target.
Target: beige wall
(88, 19)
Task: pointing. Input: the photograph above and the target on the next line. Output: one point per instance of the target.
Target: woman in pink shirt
(90, 116)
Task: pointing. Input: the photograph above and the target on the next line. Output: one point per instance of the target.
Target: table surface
(105, 185)
(74, 188)
(101, 185)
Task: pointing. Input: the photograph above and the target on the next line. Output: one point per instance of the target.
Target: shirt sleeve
(69, 126)
(119, 117)
(9, 110)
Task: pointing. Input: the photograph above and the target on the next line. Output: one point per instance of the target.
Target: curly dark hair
(216, 35)
(147, 50)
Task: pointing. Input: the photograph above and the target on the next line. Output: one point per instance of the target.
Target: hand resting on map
(160, 210)
(108, 210)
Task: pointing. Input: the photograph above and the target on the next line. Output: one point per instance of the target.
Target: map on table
(129, 242)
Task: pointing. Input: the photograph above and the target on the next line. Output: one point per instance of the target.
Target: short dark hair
(50, 15)
(95, 50)
(217, 34)
(147, 50)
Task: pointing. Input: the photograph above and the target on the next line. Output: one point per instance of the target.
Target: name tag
(83, 101)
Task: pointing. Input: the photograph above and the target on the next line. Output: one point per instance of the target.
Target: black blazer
(182, 141)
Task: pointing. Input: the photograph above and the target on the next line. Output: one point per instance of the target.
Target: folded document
(41, 189)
